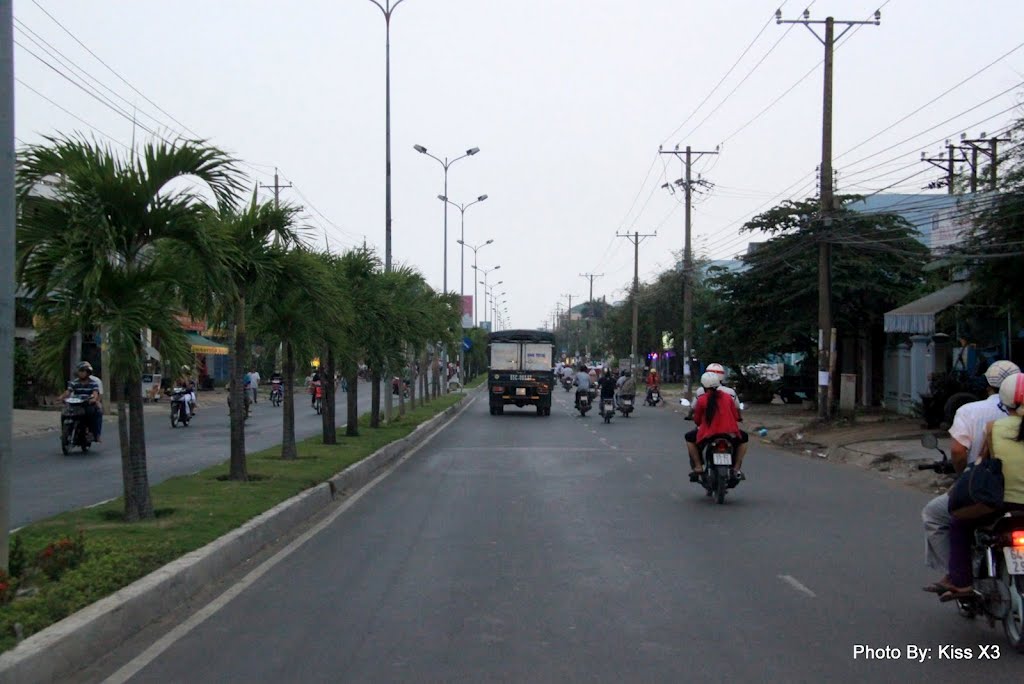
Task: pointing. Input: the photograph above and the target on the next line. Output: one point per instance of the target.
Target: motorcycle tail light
(722, 447)
(1017, 537)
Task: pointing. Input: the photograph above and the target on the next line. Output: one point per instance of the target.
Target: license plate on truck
(1014, 560)
(520, 391)
(723, 459)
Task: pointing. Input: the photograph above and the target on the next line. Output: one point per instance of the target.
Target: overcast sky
(568, 101)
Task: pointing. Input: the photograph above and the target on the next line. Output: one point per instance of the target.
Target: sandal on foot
(954, 594)
(938, 588)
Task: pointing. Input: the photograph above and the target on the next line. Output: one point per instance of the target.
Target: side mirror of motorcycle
(684, 402)
(929, 441)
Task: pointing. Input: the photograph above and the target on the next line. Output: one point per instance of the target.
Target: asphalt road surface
(46, 483)
(524, 549)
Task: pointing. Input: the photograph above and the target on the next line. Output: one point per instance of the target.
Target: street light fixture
(445, 164)
(462, 236)
(475, 249)
(387, 9)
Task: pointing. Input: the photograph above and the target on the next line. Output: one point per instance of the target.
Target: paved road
(46, 483)
(526, 549)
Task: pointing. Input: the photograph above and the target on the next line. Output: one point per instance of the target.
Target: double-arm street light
(387, 9)
(462, 236)
(489, 297)
(445, 164)
(486, 272)
(475, 248)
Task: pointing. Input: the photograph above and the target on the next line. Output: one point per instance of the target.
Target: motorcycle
(74, 426)
(395, 383)
(179, 413)
(276, 393)
(318, 397)
(653, 397)
(997, 565)
(583, 402)
(719, 454)
(626, 404)
(607, 409)
(567, 384)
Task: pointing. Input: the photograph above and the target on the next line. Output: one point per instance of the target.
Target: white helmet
(999, 371)
(1011, 392)
(716, 368)
(710, 380)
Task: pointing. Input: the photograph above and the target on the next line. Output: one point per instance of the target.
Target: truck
(520, 370)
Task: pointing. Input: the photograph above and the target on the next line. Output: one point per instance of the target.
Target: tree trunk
(137, 503)
(410, 372)
(388, 400)
(375, 398)
(122, 436)
(401, 395)
(425, 384)
(352, 426)
(330, 424)
(288, 450)
(237, 470)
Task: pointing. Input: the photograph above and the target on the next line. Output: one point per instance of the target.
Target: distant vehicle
(520, 370)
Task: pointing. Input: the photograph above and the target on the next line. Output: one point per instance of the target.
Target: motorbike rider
(85, 387)
(277, 379)
(715, 413)
(185, 380)
(582, 383)
(627, 385)
(607, 385)
(719, 370)
(567, 373)
(99, 401)
(314, 382)
(1004, 440)
(968, 432)
(652, 385)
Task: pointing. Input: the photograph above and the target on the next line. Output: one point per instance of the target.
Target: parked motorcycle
(997, 565)
(74, 426)
(276, 393)
(626, 404)
(607, 409)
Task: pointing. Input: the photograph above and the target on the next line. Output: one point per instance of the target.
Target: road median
(132, 574)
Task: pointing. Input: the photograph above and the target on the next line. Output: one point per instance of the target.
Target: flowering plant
(61, 555)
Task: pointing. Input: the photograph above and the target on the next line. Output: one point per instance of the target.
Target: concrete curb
(74, 642)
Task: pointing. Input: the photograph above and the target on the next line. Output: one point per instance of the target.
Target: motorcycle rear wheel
(721, 485)
(174, 416)
(65, 438)
(1013, 624)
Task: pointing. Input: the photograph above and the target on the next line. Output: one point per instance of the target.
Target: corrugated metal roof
(918, 317)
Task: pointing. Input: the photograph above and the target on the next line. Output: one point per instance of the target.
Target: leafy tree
(90, 257)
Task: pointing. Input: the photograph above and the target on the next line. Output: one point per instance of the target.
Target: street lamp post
(486, 272)
(445, 164)
(462, 236)
(387, 9)
(475, 249)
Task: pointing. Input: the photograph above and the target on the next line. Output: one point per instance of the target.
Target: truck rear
(521, 370)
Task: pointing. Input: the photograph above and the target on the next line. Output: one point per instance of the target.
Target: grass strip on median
(191, 511)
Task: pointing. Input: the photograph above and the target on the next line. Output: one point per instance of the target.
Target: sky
(568, 102)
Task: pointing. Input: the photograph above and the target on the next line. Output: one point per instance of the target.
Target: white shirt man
(968, 432)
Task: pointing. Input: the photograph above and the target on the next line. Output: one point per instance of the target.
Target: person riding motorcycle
(607, 385)
(1004, 440)
(582, 383)
(185, 380)
(84, 387)
(314, 382)
(627, 385)
(652, 386)
(715, 413)
(719, 370)
(276, 382)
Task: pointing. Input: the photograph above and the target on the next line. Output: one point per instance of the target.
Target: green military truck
(521, 369)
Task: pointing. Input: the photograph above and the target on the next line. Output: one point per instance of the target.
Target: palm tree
(359, 268)
(287, 309)
(337, 331)
(91, 256)
(251, 241)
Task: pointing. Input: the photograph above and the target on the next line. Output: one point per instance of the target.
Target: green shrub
(62, 555)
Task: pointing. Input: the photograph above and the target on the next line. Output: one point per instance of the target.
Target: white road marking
(140, 661)
(795, 583)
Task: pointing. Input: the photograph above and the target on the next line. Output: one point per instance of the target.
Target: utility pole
(568, 321)
(636, 238)
(277, 188)
(590, 301)
(6, 268)
(979, 145)
(948, 164)
(687, 183)
(827, 199)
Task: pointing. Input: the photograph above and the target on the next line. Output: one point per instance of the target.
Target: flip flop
(951, 595)
(937, 588)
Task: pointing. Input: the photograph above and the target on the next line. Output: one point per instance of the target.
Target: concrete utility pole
(590, 301)
(979, 145)
(827, 198)
(387, 10)
(687, 183)
(948, 164)
(277, 188)
(636, 238)
(6, 268)
(568, 321)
